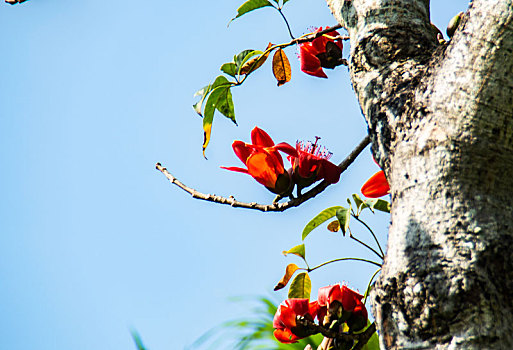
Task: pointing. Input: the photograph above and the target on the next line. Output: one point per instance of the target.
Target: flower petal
(313, 309)
(237, 169)
(310, 64)
(328, 294)
(260, 138)
(242, 150)
(319, 43)
(329, 172)
(265, 168)
(286, 148)
(299, 305)
(285, 336)
(376, 186)
(350, 299)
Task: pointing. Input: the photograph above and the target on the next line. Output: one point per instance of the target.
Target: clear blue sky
(94, 240)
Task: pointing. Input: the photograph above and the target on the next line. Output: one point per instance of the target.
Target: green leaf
(382, 205)
(203, 93)
(233, 68)
(284, 2)
(241, 56)
(206, 90)
(378, 204)
(343, 216)
(229, 68)
(324, 215)
(358, 201)
(300, 287)
(137, 340)
(224, 103)
(249, 6)
(298, 250)
(219, 98)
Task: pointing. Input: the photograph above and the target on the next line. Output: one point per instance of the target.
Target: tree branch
(13, 2)
(266, 207)
(361, 338)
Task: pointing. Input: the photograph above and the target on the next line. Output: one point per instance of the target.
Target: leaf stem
(368, 285)
(286, 22)
(372, 233)
(344, 259)
(365, 245)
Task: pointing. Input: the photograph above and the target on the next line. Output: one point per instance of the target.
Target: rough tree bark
(441, 122)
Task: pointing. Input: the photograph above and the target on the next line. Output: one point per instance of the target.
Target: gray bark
(441, 121)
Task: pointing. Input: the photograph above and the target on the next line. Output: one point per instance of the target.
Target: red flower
(286, 328)
(353, 310)
(376, 186)
(312, 164)
(320, 52)
(264, 162)
(347, 297)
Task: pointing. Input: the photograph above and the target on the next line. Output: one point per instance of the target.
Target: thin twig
(343, 259)
(286, 22)
(366, 246)
(267, 207)
(312, 36)
(372, 233)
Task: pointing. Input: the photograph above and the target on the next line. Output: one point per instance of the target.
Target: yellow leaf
(281, 67)
(289, 271)
(207, 128)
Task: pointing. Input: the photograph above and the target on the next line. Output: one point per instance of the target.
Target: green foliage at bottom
(252, 333)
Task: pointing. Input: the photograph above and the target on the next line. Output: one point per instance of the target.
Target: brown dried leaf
(255, 63)
(289, 271)
(334, 226)
(281, 67)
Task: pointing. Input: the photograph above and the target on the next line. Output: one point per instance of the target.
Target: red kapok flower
(320, 52)
(376, 186)
(286, 328)
(264, 162)
(353, 310)
(346, 296)
(312, 164)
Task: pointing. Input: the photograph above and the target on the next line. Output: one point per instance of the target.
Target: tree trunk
(441, 120)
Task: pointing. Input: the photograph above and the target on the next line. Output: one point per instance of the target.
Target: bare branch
(361, 338)
(266, 207)
(365, 336)
(13, 2)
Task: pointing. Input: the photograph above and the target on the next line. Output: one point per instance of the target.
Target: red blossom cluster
(322, 52)
(265, 164)
(334, 303)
